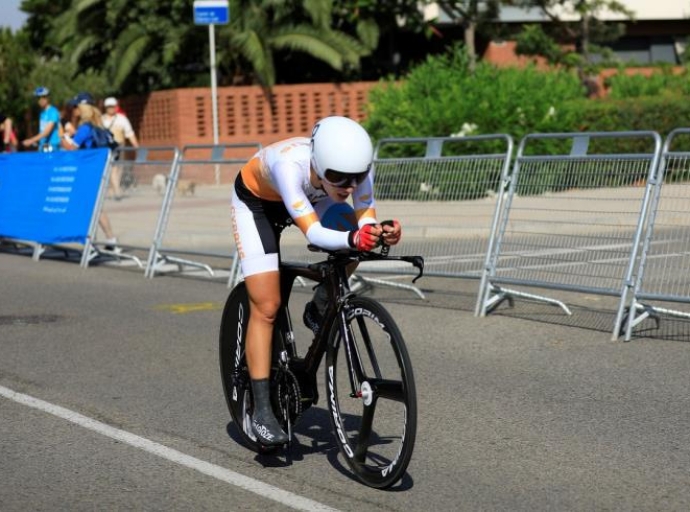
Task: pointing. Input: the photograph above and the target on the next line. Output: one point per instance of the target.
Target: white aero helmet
(340, 146)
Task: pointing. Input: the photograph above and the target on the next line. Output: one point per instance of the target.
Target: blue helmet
(80, 98)
(41, 91)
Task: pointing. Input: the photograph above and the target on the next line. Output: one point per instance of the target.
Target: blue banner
(49, 198)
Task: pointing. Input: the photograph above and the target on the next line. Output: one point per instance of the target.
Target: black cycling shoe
(268, 431)
(312, 318)
(264, 423)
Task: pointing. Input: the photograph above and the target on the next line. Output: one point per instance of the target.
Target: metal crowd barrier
(143, 174)
(574, 217)
(446, 192)
(664, 268)
(194, 231)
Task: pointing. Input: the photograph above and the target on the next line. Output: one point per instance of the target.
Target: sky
(11, 15)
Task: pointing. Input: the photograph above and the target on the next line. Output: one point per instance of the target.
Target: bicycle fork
(354, 362)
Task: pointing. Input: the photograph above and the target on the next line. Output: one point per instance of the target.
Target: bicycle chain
(286, 382)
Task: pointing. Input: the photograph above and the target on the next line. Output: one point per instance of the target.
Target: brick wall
(503, 55)
(183, 116)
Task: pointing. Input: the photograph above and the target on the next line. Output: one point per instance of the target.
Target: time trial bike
(370, 385)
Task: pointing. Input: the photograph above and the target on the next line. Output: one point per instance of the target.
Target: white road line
(225, 475)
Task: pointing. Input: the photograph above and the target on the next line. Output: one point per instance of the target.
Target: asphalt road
(110, 399)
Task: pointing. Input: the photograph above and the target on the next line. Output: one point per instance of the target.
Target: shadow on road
(313, 435)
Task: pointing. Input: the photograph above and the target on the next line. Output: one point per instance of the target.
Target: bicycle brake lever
(418, 262)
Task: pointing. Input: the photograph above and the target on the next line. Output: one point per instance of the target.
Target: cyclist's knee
(265, 311)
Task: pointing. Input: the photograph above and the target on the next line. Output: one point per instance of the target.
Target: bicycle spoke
(390, 389)
(365, 432)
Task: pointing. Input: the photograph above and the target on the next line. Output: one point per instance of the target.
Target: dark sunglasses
(344, 179)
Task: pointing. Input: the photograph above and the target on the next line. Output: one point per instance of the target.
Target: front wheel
(371, 394)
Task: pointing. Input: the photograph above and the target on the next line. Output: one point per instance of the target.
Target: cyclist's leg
(264, 300)
(256, 238)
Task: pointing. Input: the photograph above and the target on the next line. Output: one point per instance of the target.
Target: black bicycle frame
(319, 272)
(334, 275)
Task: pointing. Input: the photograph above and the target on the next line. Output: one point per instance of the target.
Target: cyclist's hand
(392, 232)
(365, 238)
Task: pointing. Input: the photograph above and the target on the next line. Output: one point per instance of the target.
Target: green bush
(661, 114)
(665, 82)
(446, 179)
(441, 97)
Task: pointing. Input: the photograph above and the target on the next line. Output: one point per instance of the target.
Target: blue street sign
(211, 12)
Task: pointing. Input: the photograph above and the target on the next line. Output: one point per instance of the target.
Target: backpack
(102, 138)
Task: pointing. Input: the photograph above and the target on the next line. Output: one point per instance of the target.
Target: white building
(658, 34)
(642, 9)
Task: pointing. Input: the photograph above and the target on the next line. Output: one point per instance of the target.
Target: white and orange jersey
(281, 172)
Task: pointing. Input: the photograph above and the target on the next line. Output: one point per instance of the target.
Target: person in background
(81, 98)
(118, 124)
(70, 115)
(48, 137)
(8, 139)
(68, 121)
(90, 116)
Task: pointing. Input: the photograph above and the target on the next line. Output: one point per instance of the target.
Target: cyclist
(48, 138)
(296, 181)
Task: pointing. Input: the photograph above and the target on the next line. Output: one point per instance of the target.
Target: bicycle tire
(375, 429)
(233, 364)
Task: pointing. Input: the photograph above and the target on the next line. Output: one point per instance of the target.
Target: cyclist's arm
(363, 201)
(287, 178)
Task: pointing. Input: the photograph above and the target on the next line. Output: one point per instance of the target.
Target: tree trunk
(585, 38)
(470, 30)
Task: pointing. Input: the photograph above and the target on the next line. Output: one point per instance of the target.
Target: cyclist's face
(43, 101)
(337, 193)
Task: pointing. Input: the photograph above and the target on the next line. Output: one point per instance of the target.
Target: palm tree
(146, 44)
(262, 28)
(137, 44)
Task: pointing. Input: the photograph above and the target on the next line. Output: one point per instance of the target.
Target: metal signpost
(212, 13)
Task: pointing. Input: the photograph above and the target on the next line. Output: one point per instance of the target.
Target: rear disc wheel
(233, 366)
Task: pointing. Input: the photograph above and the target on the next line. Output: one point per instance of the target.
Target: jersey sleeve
(82, 135)
(126, 125)
(287, 180)
(53, 116)
(364, 203)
